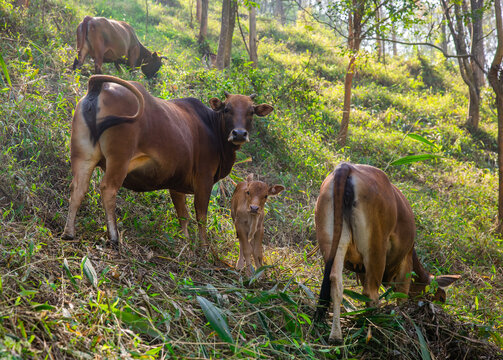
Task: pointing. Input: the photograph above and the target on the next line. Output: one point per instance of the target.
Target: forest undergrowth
(160, 296)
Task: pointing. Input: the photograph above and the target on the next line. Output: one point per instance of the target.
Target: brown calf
(365, 224)
(107, 40)
(247, 211)
(145, 143)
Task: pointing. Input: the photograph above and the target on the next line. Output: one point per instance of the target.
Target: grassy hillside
(82, 299)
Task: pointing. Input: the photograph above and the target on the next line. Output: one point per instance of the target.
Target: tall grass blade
(5, 71)
(216, 319)
(422, 139)
(89, 271)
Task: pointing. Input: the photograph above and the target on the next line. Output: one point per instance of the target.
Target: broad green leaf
(69, 273)
(425, 352)
(356, 296)
(421, 139)
(89, 271)
(5, 71)
(41, 307)
(415, 158)
(216, 319)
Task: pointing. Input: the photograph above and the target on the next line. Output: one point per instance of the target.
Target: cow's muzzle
(254, 209)
(238, 136)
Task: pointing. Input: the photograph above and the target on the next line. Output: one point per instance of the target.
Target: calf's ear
(276, 189)
(216, 104)
(263, 109)
(249, 178)
(446, 280)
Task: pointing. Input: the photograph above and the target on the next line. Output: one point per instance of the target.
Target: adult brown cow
(365, 224)
(145, 143)
(107, 40)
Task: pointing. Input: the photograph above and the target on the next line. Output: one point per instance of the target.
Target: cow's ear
(263, 109)
(446, 280)
(216, 104)
(276, 189)
(154, 55)
(249, 178)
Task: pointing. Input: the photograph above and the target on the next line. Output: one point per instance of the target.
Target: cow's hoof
(335, 341)
(67, 236)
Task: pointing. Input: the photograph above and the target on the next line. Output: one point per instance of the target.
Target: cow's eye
(226, 110)
(247, 193)
(265, 197)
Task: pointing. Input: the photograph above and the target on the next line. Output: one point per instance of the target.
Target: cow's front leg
(181, 210)
(201, 201)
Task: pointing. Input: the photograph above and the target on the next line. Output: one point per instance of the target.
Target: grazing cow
(145, 143)
(247, 211)
(365, 224)
(107, 40)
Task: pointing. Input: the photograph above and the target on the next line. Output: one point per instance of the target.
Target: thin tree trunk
(478, 42)
(203, 29)
(229, 9)
(354, 41)
(393, 37)
(253, 36)
(496, 81)
(146, 20)
(378, 35)
(224, 29)
(198, 10)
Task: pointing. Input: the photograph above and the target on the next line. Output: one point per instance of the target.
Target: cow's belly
(144, 174)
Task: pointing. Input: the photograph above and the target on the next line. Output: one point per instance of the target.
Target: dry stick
(242, 34)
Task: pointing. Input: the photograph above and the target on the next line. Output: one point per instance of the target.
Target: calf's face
(238, 111)
(256, 194)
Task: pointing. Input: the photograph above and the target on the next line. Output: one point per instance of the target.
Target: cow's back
(113, 38)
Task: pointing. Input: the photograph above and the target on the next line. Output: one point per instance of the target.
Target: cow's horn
(252, 96)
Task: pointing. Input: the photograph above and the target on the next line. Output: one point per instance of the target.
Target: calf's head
(256, 194)
(238, 111)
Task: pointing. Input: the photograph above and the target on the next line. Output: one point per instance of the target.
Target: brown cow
(145, 143)
(365, 224)
(107, 40)
(247, 211)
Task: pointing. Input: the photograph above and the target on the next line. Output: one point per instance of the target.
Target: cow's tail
(343, 195)
(90, 105)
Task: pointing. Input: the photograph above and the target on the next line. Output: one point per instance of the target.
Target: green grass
(147, 301)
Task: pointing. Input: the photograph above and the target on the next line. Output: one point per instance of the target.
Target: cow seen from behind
(365, 224)
(107, 41)
(144, 143)
(247, 211)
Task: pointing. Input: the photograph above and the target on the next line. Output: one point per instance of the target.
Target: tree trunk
(443, 43)
(379, 43)
(203, 29)
(496, 81)
(478, 42)
(393, 37)
(466, 64)
(253, 36)
(354, 41)
(224, 30)
(279, 12)
(198, 10)
(232, 22)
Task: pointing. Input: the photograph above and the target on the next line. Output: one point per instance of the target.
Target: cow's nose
(239, 134)
(253, 209)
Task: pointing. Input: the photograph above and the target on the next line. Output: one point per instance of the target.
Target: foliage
(82, 299)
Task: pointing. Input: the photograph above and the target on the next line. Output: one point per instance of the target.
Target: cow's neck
(144, 53)
(227, 150)
(422, 276)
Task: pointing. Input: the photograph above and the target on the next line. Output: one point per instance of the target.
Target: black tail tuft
(324, 300)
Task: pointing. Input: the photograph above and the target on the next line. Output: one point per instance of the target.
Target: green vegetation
(158, 298)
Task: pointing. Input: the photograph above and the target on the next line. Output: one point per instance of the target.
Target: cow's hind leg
(82, 171)
(116, 171)
(336, 287)
(201, 201)
(181, 211)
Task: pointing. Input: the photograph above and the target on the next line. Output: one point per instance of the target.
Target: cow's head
(256, 194)
(417, 289)
(151, 64)
(238, 111)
